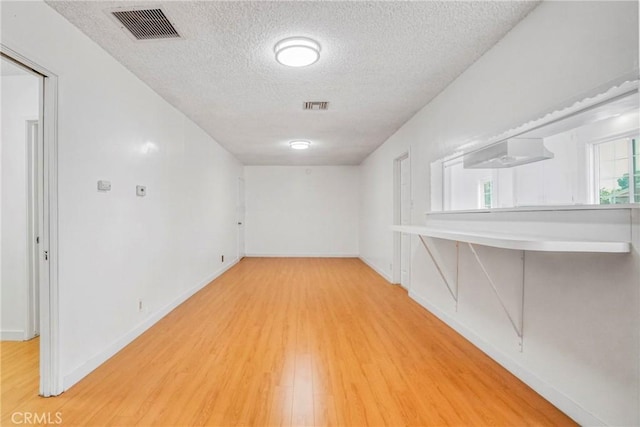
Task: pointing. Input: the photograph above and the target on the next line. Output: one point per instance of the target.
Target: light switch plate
(104, 185)
(141, 190)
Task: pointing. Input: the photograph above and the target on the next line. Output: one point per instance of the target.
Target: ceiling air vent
(315, 105)
(147, 24)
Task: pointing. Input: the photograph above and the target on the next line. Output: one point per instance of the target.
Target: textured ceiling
(380, 63)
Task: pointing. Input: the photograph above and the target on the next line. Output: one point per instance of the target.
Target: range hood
(508, 153)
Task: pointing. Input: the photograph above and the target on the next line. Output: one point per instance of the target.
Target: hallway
(292, 341)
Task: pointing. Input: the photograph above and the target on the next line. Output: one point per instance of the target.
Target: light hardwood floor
(293, 342)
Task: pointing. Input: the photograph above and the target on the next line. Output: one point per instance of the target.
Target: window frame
(482, 193)
(594, 170)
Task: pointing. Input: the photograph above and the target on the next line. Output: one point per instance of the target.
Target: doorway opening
(402, 205)
(241, 216)
(18, 167)
(28, 197)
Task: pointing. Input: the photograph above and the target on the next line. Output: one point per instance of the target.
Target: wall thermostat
(141, 190)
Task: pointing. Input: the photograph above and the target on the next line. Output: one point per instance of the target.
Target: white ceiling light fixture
(297, 51)
(299, 144)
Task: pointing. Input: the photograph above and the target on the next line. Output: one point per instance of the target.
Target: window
(485, 194)
(617, 171)
(588, 153)
(635, 167)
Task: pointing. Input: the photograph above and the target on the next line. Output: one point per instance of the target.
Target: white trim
(51, 382)
(553, 395)
(372, 266)
(299, 255)
(50, 376)
(94, 362)
(620, 135)
(12, 335)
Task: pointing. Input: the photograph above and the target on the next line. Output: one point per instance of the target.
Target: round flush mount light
(299, 144)
(297, 51)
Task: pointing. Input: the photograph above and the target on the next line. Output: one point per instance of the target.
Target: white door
(44, 227)
(241, 215)
(405, 219)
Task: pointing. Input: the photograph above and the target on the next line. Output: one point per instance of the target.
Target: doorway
(28, 218)
(241, 215)
(34, 188)
(19, 173)
(402, 216)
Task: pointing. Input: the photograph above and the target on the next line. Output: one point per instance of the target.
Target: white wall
(116, 248)
(301, 210)
(582, 311)
(19, 104)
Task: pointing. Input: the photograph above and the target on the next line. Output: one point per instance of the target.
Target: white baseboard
(250, 255)
(553, 395)
(12, 335)
(83, 370)
(376, 269)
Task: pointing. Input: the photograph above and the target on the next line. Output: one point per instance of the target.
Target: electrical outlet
(140, 306)
(221, 258)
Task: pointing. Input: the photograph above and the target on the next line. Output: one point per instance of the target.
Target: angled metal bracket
(517, 324)
(444, 277)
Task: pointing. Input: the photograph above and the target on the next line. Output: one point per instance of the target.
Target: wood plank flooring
(289, 342)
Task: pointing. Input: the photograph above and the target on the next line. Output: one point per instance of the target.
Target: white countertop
(522, 242)
(540, 208)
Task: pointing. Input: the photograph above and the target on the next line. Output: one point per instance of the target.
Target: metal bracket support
(444, 277)
(517, 324)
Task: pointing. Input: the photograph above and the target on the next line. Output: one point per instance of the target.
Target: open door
(39, 158)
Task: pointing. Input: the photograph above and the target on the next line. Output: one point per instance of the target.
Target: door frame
(397, 215)
(50, 377)
(241, 218)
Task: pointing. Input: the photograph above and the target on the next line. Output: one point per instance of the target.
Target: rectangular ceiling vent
(147, 24)
(316, 105)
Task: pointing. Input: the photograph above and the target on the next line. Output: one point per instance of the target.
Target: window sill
(540, 209)
(526, 243)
